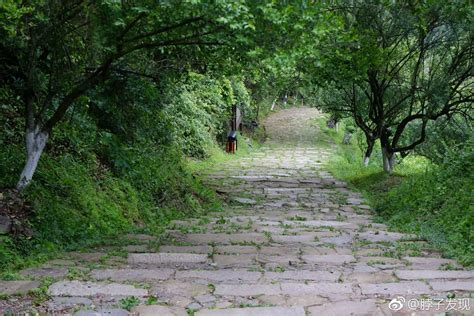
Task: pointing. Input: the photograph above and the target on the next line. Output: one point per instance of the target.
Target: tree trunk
(366, 161)
(273, 104)
(388, 160)
(368, 151)
(35, 142)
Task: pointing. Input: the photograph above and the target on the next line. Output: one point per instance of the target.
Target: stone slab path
(292, 241)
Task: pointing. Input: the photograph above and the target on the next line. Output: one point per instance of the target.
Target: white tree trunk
(35, 142)
(388, 160)
(273, 104)
(368, 151)
(366, 161)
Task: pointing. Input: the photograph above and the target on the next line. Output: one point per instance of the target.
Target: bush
(442, 134)
(199, 110)
(438, 204)
(242, 99)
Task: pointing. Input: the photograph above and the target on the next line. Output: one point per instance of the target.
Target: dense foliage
(116, 96)
(55, 53)
(399, 67)
(110, 171)
(200, 109)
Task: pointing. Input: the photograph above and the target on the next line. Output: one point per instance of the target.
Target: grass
(80, 203)
(297, 218)
(76, 274)
(40, 294)
(129, 302)
(433, 201)
(279, 269)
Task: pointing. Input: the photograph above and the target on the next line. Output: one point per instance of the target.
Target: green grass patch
(246, 146)
(78, 202)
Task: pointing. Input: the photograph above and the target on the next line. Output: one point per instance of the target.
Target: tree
(346, 100)
(280, 46)
(54, 52)
(412, 63)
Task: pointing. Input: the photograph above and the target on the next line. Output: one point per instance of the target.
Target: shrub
(438, 204)
(199, 110)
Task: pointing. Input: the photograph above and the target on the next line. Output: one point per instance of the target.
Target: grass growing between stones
(432, 200)
(129, 302)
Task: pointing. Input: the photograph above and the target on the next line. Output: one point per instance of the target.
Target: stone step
(384, 236)
(221, 238)
(243, 200)
(166, 257)
(433, 274)
(345, 308)
(202, 249)
(335, 259)
(316, 223)
(79, 288)
(247, 289)
(236, 261)
(303, 275)
(446, 286)
(320, 288)
(59, 272)
(17, 287)
(179, 288)
(103, 311)
(254, 311)
(158, 310)
(220, 275)
(426, 263)
(391, 289)
(138, 275)
(289, 288)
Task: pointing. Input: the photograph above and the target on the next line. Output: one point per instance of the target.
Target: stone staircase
(292, 241)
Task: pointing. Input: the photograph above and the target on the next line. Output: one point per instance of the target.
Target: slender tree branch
(164, 29)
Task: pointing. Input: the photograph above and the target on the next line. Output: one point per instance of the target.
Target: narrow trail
(292, 241)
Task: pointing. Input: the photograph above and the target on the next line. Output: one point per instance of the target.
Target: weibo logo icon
(396, 304)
